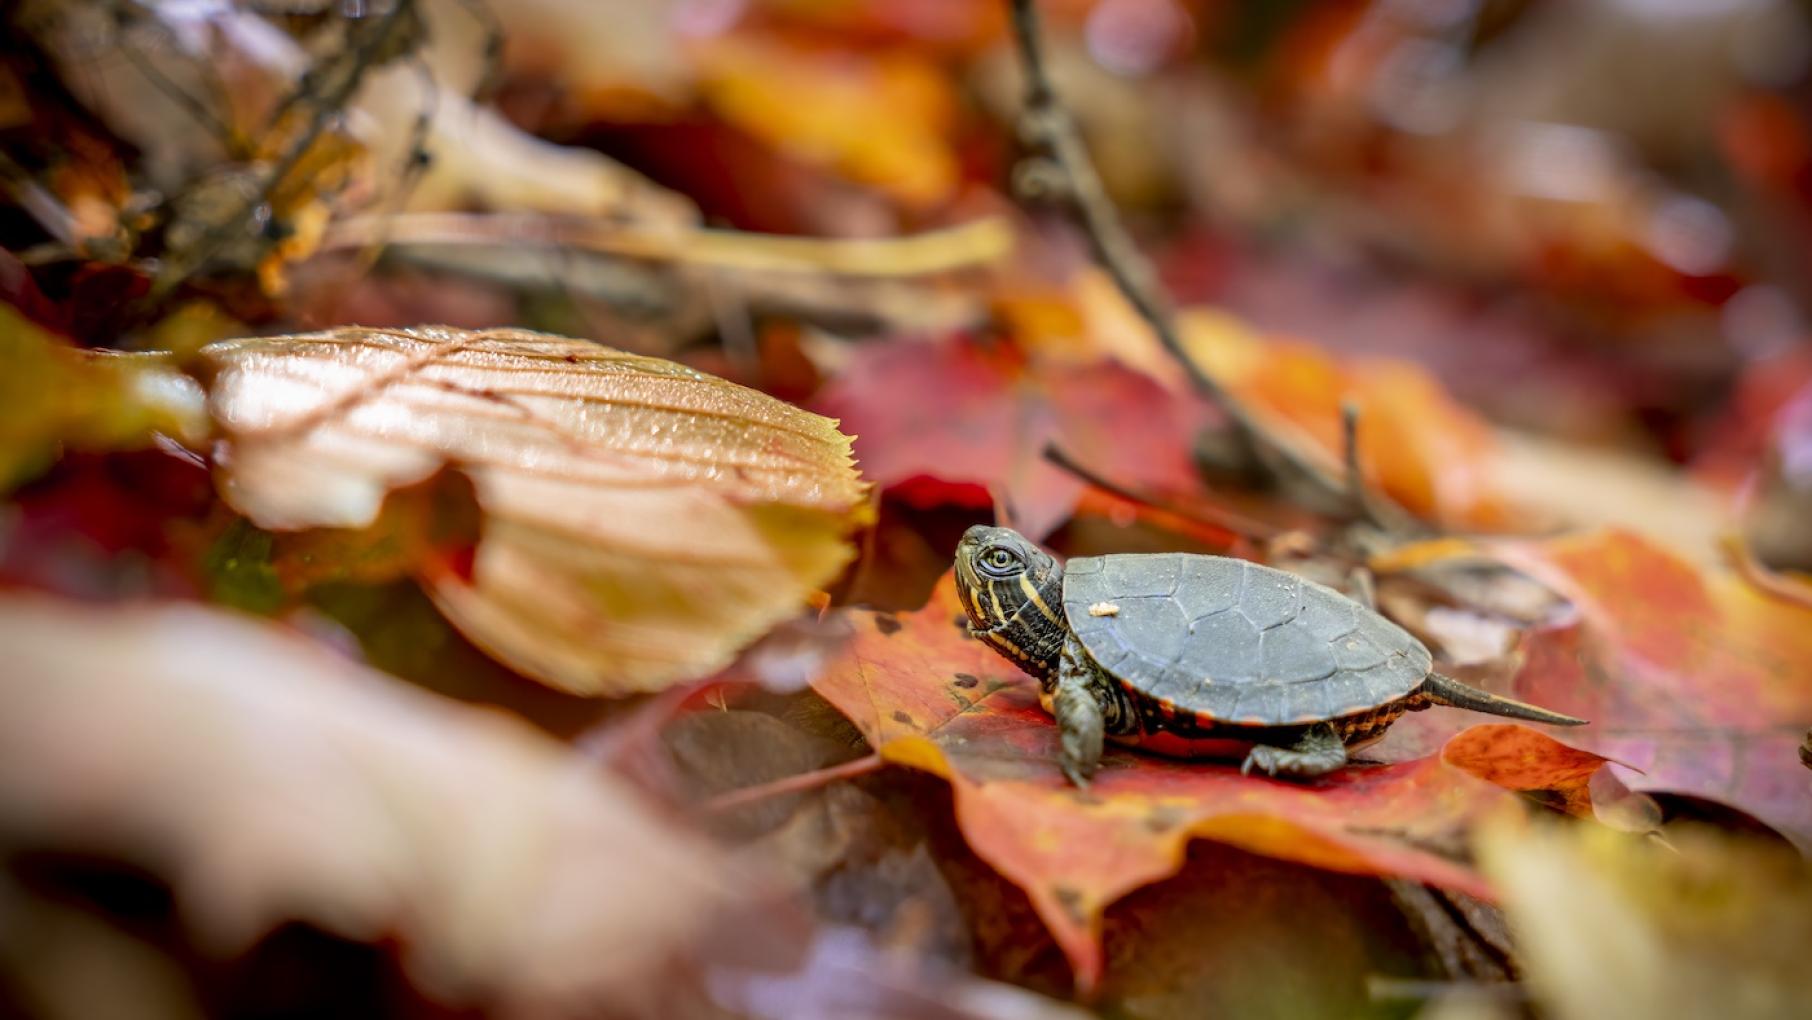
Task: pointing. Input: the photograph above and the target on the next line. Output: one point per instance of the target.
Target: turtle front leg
(1081, 722)
(1319, 751)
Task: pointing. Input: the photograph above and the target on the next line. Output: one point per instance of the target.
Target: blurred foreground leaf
(1612, 925)
(270, 781)
(640, 521)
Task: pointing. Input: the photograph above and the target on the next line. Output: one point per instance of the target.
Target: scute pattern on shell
(1236, 641)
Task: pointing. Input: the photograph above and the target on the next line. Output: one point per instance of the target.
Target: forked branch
(1048, 129)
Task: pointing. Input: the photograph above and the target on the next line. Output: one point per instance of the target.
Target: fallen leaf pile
(597, 652)
(927, 695)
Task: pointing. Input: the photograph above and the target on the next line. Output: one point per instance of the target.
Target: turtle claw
(1262, 757)
(1073, 772)
(1319, 752)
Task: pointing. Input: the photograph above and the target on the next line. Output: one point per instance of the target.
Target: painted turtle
(1202, 656)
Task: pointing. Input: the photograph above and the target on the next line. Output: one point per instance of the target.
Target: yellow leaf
(879, 120)
(53, 395)
(1613, 925)
(640, 521)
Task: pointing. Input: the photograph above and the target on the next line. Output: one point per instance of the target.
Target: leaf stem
(793, 784)
(1214, 517)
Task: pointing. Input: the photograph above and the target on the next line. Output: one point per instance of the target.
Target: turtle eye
(999, 562)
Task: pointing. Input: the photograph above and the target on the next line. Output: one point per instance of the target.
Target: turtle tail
(1445, 690)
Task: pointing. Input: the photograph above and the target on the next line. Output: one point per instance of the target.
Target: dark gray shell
(1237, 642)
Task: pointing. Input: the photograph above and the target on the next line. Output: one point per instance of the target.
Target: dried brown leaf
(641, 520)
(271, 781)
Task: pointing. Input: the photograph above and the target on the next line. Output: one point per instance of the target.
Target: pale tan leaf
(641, 520)
(270, 781)
(1561, 484)
(682, 279)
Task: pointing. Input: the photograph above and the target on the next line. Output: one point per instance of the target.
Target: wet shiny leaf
(640, 521)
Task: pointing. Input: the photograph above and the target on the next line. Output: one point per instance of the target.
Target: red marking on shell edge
(1171, 745)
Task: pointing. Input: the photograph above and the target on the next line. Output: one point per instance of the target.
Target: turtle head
(1013, 593)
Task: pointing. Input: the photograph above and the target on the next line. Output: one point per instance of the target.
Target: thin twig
(1214, 517)
(794, 784)
(1049, 128)
(191, 105)
(948, 249)
(40, 204)
(1365, 507)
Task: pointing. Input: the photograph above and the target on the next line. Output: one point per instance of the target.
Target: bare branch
(1048, 128)
(1366, 507)
(1211, 516)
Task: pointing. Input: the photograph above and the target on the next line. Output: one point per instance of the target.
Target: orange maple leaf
(927, 695)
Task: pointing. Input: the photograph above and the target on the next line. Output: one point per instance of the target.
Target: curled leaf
(640, 521)
(1565, 778)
